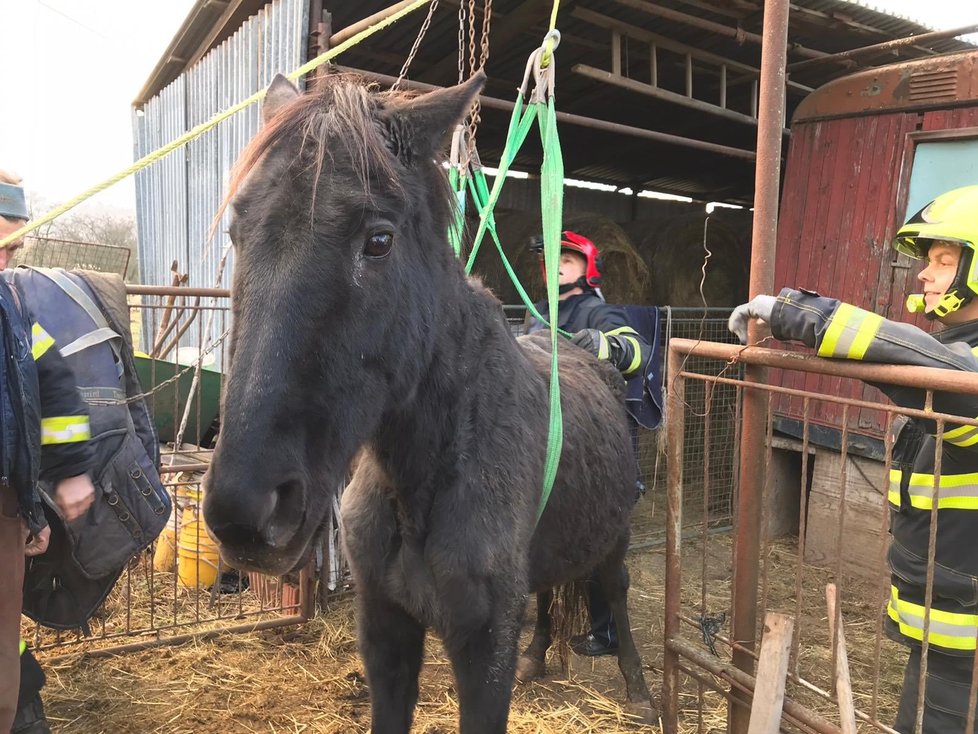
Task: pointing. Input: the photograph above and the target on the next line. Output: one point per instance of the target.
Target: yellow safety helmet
(951, 217)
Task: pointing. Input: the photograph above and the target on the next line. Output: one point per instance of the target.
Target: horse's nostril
(236, 535)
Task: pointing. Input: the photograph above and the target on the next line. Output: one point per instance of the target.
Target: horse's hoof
(644, 712)
(529, 669)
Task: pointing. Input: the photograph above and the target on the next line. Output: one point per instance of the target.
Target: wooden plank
(843, 682)
(866, 486)
(772, 672)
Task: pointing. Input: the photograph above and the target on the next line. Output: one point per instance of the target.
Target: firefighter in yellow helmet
(944, 234)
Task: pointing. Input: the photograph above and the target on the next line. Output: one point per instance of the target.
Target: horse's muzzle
(256, 528)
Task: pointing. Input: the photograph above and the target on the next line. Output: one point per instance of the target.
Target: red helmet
(578, 243)
(583, 246)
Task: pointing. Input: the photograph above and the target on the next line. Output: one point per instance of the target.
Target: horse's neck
(475, 362)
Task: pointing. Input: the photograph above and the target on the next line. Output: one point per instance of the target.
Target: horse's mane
(341, 109)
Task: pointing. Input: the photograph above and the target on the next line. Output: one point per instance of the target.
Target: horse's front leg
(391, 645)
(533, 662)
(483, 656)
(613, 577)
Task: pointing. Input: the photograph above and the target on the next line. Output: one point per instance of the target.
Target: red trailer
(865, 151)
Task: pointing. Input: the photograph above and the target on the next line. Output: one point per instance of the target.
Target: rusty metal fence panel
(178, 587)
(840, 537)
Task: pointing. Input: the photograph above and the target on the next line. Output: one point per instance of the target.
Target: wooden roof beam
(640, 34)
(708, 25)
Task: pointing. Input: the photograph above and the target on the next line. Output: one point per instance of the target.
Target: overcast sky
(69, 70)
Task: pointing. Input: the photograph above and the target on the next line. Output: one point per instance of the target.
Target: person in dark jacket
(945, 235)
(45, 435)
(603, 330)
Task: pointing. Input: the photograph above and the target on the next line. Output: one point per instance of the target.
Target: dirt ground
(309, 678)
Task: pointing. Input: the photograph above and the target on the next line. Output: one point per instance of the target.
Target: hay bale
(626, 276)
(674, 253)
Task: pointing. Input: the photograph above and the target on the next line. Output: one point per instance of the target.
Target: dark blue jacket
(40, 406)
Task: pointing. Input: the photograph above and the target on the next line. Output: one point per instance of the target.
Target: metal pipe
(767, 180)
(351, 30)
(671, 683)
(167, 290)
(933, 378)
(709, 25)
(854, 53)
(741, 679)
(571, 119)
(179, 639)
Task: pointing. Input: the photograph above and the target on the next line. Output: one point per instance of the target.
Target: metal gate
(714, 618)
(178, 588)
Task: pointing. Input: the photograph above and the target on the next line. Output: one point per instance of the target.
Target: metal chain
(471, 37)
(417, 44)
(474, 116)
(461, 42)
(169, 380)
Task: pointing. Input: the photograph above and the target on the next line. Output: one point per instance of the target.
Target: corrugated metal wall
(843, 194)
(178, 196)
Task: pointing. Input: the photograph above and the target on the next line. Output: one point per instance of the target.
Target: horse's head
(339, 217)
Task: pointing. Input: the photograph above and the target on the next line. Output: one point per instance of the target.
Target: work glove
(760, 307)
(601, 345)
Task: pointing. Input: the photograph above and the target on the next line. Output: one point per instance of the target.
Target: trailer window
(940, 166)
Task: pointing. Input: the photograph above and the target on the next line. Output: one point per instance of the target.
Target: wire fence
(51, 252)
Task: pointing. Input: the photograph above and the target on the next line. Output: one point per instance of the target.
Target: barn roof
(718, 36)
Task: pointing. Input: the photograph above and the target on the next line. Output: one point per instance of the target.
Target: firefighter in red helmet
(603, 330)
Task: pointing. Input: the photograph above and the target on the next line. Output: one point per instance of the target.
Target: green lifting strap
(540, 109)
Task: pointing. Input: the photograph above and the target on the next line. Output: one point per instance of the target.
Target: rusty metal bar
(933, 378)
(675, 426)
(855, 53)
(166, 290)
(763, 244)
(882, 407)
(742, 680)
(179, 639)
(578, 120)
(351, 30)
(718, 28)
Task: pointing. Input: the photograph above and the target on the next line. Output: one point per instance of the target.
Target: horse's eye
(378, 245)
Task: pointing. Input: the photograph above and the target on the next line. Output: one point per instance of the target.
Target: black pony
(354, 326)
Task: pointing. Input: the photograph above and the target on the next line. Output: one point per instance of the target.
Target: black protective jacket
(840, 330)
(588, 311)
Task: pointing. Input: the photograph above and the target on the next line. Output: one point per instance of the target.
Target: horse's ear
(280, 92)
(423, 125)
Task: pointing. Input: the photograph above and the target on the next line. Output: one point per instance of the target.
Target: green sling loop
(541, 109)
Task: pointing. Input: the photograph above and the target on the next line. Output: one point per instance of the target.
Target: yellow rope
(549, 44)
(205, 126)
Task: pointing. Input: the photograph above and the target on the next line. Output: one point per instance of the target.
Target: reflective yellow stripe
(23, 646)
(962, 436)
(65, 429)
(603, 348)
(41, 341)
(628, 333)
(865, 335)
(894, 494)
(850, 332)
(957, 491)
(947, 629)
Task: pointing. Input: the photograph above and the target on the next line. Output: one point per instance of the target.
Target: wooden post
(772, 673)
(843, 684)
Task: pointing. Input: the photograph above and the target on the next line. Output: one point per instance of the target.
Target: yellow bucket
(165, 554)
(197, 556)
